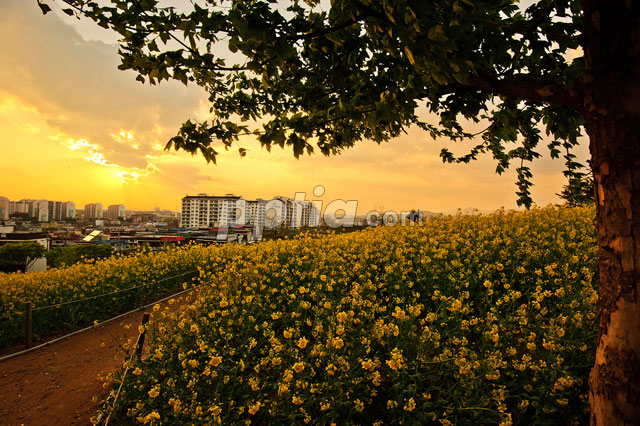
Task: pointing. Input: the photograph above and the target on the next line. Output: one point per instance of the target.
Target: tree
(19, 256)
(63, 256)
(325, 77)
(579, 190)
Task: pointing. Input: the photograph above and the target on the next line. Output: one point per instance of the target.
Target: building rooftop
(212, 197)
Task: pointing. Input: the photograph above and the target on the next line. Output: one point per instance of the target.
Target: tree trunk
(612, 118)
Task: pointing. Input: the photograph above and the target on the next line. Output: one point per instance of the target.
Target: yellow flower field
(130, 282)
(470, 320)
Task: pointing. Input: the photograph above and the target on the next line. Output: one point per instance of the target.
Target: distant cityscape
(45, 211)
(203, 218)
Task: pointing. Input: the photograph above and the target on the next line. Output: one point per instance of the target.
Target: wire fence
(137, 352)
(57, 305)
(98, 324)
(68, 315)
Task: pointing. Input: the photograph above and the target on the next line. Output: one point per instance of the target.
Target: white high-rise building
(297, 214)
(68, 210)
(4, 208)
(93, 211)
(115, 211)
(257, 212)
(276, 213)
(310, 214)
(22, 206)
(55, 210)
(314, 216)
(41, 210)
(203, 211)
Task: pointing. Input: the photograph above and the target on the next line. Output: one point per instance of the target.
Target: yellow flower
(337, 342)
(137, 371)
(367, 364)
(397, 360)
(254, 408)
(302, 342)
(282, 389)
(296, 400)
(153, 392)
(151, 417)
(410, 405)
(298, 367)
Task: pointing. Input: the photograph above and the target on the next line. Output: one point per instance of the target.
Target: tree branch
(520, 86)
(329, 30)
(369, 10)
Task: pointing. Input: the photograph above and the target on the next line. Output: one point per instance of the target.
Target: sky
(75, 128)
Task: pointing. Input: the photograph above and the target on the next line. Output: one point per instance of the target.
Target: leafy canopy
(321, 76)
(19, 256)
(63, 256)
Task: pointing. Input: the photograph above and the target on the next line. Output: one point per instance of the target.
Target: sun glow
(126, 174)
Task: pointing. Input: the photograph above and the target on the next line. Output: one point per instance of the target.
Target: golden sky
(75, 128)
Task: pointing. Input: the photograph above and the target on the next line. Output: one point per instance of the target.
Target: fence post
(145, 319)
(27, 325)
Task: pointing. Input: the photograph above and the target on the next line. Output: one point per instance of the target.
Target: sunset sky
(75, 128)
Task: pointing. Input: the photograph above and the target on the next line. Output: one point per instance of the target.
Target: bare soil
(56, 385)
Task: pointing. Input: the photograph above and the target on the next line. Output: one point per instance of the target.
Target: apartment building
(41, 210)
(115, 211)
(93, 211)
(22, 206)
(208, 211)
(256, 216)
(297, 214)
(310, 214)
(59, 210)
(55, 210)
(203, 211)
(68, 210)
(4, 208)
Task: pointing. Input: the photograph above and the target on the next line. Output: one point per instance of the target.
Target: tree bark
(611, 91)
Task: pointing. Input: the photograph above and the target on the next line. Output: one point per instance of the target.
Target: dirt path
(55, 385)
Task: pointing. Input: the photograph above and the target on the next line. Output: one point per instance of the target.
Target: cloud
(76, 86)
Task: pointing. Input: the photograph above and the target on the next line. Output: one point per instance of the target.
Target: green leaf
(437, 34)
(409, 55)
(44, 7)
